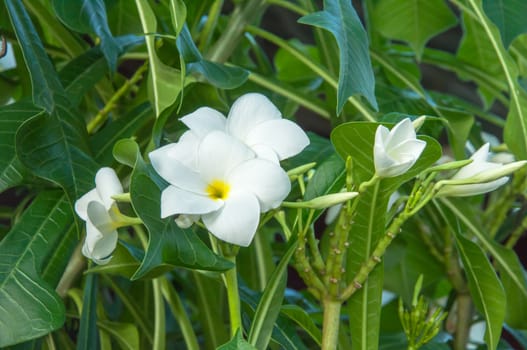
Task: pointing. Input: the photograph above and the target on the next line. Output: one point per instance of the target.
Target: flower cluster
(226, 171)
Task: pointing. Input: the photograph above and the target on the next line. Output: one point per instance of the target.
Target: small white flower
(226, 185)
(491, 175)
(255, 121)
(395, 151)
(95, 207)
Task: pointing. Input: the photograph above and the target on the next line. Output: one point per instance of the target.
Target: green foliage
(104, 83)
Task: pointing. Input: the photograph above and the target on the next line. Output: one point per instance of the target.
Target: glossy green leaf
(44, 80)
(507, 15)
(168, 244)
(485, 288)
(123, 263)
(237, 343)
(12, 171)
(54, 146)
(88, 337)
(304, 320)
(329, 178)
(89, 16)
(22, 255)
(219, 75)
(413, 21)
(355, 73)
(357, 140)
(164, 81)
(270, 303)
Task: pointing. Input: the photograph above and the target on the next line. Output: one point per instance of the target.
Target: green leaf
(88, 337)
(413, 21)
(12, 171)
(502, 255)
(125, 334)
(304, 320)
(356, 140)
(29, 307)
(289, 69)
(237, 343)
(515, 131)
(485, 288)
(269, 305)
(219, 75)
(89, 16)
(44, 80)
(355, 73)
(165, 82)
(168, 244)
(54, 146)
(329, 178)
(507, 15)
(178, 14)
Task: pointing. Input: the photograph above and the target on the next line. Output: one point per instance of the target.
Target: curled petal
(283, 136)
(204, 120)
(472, 189)
(248, 111)
(107, 184)
(81, 205)
(219, 153)
(178, 201)
(237, 221)
(101, 236)
(184, 151)
(266, 180)
(176, 173)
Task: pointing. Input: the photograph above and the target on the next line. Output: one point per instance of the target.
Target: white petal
(248, 111)
(481, 154)
(98, 216)
(266, 180)
(183, 151)
(107, 184)
(177, 201)
(237, 221)
(402, 131)
(186, 220)
(176, 173)
(395, 169)
(204, 120)
(219, 153)
(81, 205)
(283, 136)
(266, 152)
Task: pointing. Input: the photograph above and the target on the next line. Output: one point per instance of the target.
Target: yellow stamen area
(218, 189)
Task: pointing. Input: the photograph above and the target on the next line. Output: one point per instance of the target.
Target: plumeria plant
(263, 174)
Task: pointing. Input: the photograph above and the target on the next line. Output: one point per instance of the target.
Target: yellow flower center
(218, 189)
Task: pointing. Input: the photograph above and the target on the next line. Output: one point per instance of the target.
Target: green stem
(75, 266)
(331, 324)
(159, 316)
(375, 257)
(320, 71)
(208, 28)
(230, 38)
(290, 6)
(100, 118)
(178, 310)
(233, 297)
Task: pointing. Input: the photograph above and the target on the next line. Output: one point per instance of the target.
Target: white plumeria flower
(395, 151)
(95, 208)
(226, 185)
(254, 120)
(480, 170)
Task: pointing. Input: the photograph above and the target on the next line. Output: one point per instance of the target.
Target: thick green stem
(233, 297)
(73, 270)
(159, 316)
(464, 318)
(331, 324)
